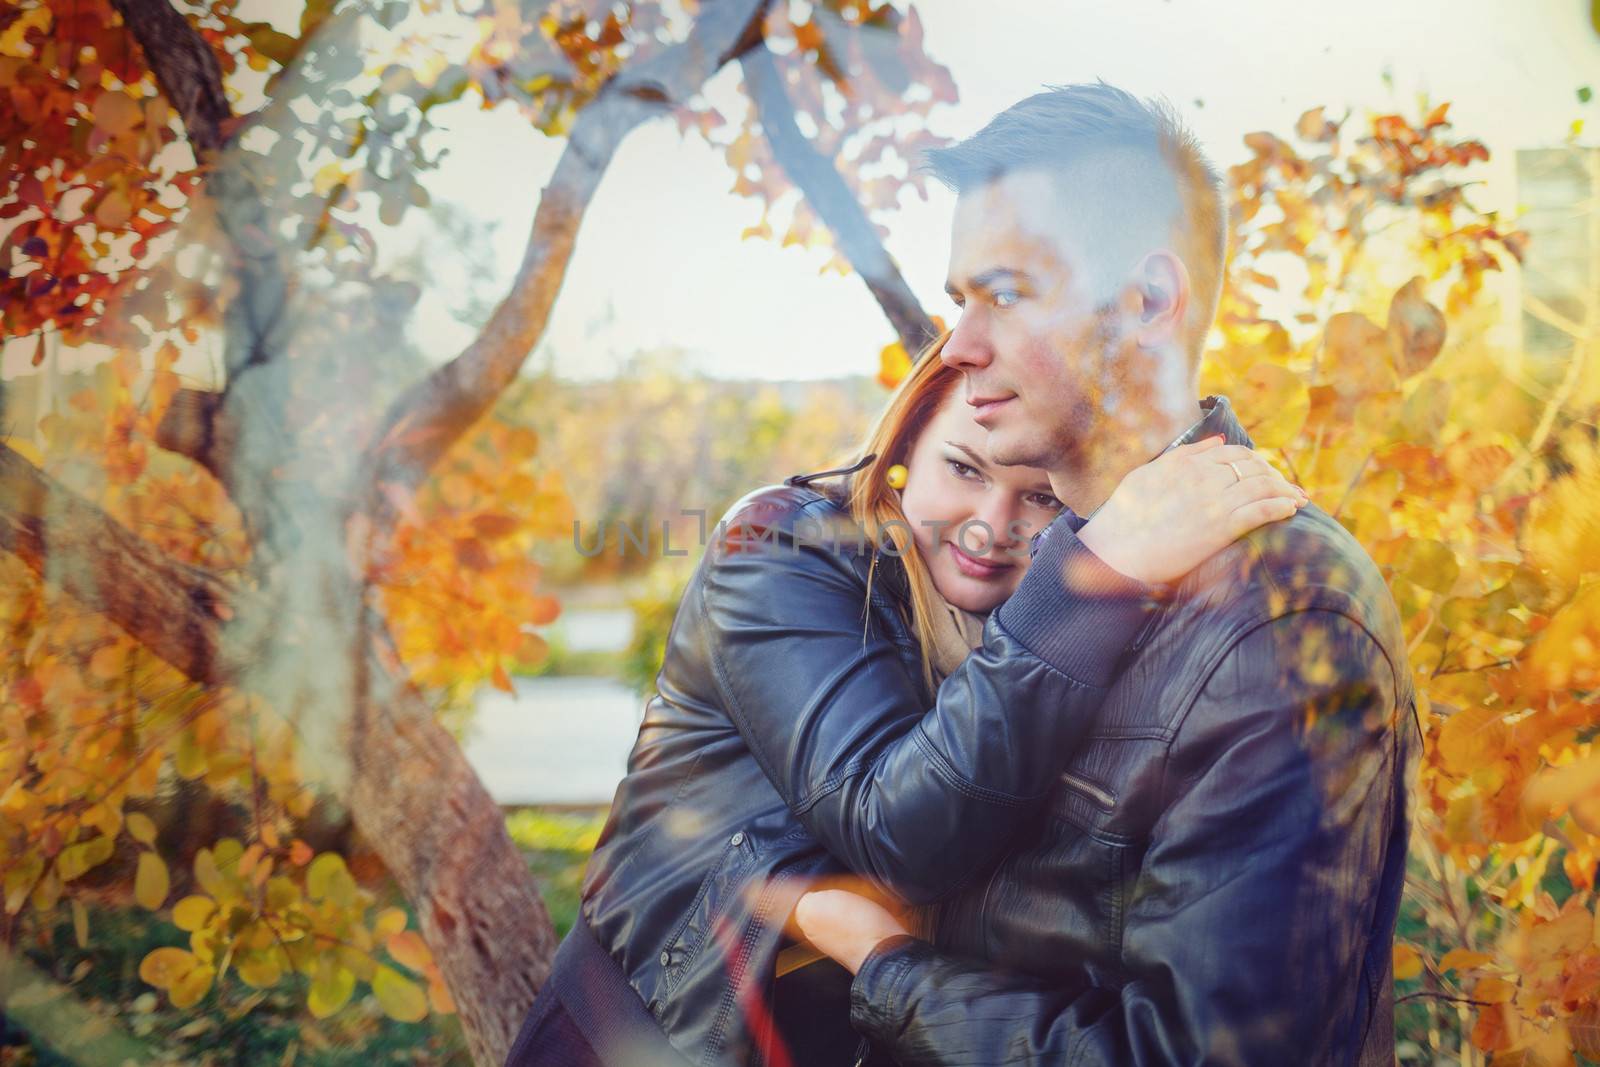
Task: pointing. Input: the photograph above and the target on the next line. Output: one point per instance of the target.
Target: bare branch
(186, 69)
(173, 609)
(1551, 317)
(427, 418)
(825, 190)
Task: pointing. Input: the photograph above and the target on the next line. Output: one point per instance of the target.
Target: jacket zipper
(1098, 795)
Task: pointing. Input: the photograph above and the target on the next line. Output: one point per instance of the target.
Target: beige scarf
(955, 633)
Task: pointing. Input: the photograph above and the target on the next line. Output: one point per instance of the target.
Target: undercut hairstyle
(1132, 175)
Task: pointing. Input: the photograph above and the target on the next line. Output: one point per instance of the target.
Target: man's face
(1036, 350)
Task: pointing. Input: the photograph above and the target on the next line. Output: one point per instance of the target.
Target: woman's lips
(976, 568)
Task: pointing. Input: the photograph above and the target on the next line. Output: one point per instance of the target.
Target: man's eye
(1004, 298)
(1045, 501)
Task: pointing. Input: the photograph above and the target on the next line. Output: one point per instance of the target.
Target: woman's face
(971, 519)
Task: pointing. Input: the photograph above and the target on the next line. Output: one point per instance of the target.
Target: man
(1216, 877)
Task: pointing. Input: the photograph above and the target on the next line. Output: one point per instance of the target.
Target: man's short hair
(1136, 177)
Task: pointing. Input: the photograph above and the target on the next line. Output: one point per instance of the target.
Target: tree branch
(422, 424)
(825, 190)
(173, 609)
(186, 69)
(190, 427)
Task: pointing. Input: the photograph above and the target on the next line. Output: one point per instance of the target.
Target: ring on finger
(1238, 477)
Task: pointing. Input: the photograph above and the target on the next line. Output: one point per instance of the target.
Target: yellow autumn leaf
(1567, 654)
(190, 759)
(1561, 786)
(74, 860)
(141, 827)
(1407, 963)
(259, 969)
(151, 882)
(206, 873)
(193, 912)
(80, 923)
(163, 966)
(1562, 533)
(187, 990)
(1566, 934)
(1430, 564)
(1355, 355)
(1461, 959)
(328, 877)
(389, 921)
(1416, 328)
(103, 817)
(20, 880)
(1277, 401)
(331, 988)
(409, 950)
(398, 996)
(439, 998)
(893, 365)
(46, 892)
(1493, 990)
(1469, 738)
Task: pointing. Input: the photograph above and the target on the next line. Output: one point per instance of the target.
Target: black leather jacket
(792, 733)
(1216, 876)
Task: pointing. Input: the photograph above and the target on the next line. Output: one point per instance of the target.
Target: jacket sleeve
(1248, 925)
(913, 798)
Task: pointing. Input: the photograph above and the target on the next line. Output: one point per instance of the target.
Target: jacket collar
(1217, 417)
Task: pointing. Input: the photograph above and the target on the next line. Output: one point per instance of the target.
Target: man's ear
(1162, 284)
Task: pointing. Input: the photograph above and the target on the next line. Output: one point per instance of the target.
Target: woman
(831, 703)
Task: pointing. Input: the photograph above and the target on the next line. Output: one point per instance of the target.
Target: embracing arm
(1248, 928)
(914, 798)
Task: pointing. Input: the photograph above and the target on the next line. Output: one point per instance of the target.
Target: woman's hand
(843, 925)
(1175, 512)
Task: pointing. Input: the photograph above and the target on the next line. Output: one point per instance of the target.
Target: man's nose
(968, 346)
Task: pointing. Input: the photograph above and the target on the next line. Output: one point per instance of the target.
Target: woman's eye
(961, 470)
(1004, 298)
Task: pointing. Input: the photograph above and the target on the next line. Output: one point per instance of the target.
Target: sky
(660, 261)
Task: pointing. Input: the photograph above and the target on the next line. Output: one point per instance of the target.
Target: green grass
(556, 845)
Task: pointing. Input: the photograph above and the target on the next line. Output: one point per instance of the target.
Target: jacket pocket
(1102, 797)
(691, 934)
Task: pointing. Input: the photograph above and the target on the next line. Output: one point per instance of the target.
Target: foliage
(1477, 496)
(557, 845)
(654, 609)
(629, 453)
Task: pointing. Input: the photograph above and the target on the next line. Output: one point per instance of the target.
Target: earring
(896, 476)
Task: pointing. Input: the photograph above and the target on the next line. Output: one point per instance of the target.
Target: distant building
(1559, 192)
